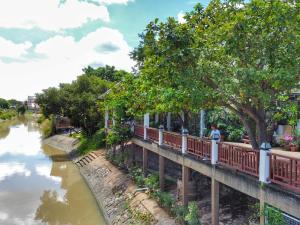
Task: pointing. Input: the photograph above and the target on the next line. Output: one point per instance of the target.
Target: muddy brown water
(38, 184)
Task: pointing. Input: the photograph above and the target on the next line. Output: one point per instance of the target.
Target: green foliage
(6, 114)
(180, 213)
(142, 218)
(47, 127)
(80, 100)
(243, 58)
(152, 182)
(94, 142)
(227, 122)
(166, 200)
(137, 176)
(274, 216)
(21, 109)
(119, 134)
(192, 217)
(4, 104)
(41, 119)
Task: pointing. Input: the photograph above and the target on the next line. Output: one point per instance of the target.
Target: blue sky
(46, 42)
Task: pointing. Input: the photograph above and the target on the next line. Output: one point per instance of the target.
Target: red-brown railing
(109, 123)
(240, 158)
(200, 148)
(139, 131)
(285, 171)
(172, 139)
(152, 134)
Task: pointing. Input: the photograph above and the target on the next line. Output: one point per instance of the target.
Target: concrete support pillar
(145, 161)
(214, 152)
(146, 124)
(169, 121)
(264, 163)
(185, 184)
(262, 207)
(106, 117)
(215, 186)
(184, 141)
(161, 173)
(161, 135)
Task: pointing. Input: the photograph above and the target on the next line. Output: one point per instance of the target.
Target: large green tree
(80, 99)
(237, 54)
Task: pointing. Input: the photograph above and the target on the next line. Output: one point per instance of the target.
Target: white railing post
(264, 162)
(106, 119)
(146, 124)
(161, 135)
(214, 152)
(184, 141)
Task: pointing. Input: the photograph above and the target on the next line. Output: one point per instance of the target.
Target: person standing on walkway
(215, 133)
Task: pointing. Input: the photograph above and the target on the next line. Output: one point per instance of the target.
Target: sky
(47, 42)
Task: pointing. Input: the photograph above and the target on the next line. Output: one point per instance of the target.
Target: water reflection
(38, 184)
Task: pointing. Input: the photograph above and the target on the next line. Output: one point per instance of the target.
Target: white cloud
(63, 60)
(180, 17)
(12, 50)
(49, 14)
(45, 171)
(3, 216)
(9, 145)
(109, 2)
(12, 168)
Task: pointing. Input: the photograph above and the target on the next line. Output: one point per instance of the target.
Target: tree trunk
(262, 132)
(250, 127)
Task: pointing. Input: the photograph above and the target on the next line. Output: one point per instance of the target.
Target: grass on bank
(6, 114)
(88, 144)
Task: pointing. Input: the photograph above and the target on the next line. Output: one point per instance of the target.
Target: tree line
(80, 100)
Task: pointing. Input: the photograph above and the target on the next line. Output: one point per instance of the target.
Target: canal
(38, 184)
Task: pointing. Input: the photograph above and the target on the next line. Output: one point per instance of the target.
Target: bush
(41, 119)
(166, 200)
(95, 142)
(152, 182)
(47, 127)
(192, 217)
(137, 176)
(7, 114)
(180, 212)
(274, 216)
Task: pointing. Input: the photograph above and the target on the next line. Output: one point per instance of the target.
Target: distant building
(32, 105)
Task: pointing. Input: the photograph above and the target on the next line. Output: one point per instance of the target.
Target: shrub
(47, 127)
(95, 142)
(274, 216)
(137, 176)
(180, 212)
(192, 217)
(152, 182)
(166, 200)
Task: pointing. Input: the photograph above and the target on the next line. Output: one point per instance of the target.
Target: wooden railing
(201, 148)
(172, 139)
(240, 158)
(109, 123)
(285, 171)
(139, 131)
(152, 134)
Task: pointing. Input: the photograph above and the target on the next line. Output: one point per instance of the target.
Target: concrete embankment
(114, 190)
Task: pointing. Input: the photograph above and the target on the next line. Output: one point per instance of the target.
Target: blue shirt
(215, 135)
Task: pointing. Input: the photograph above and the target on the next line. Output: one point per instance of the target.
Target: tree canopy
(242, 55)
(80, 99)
